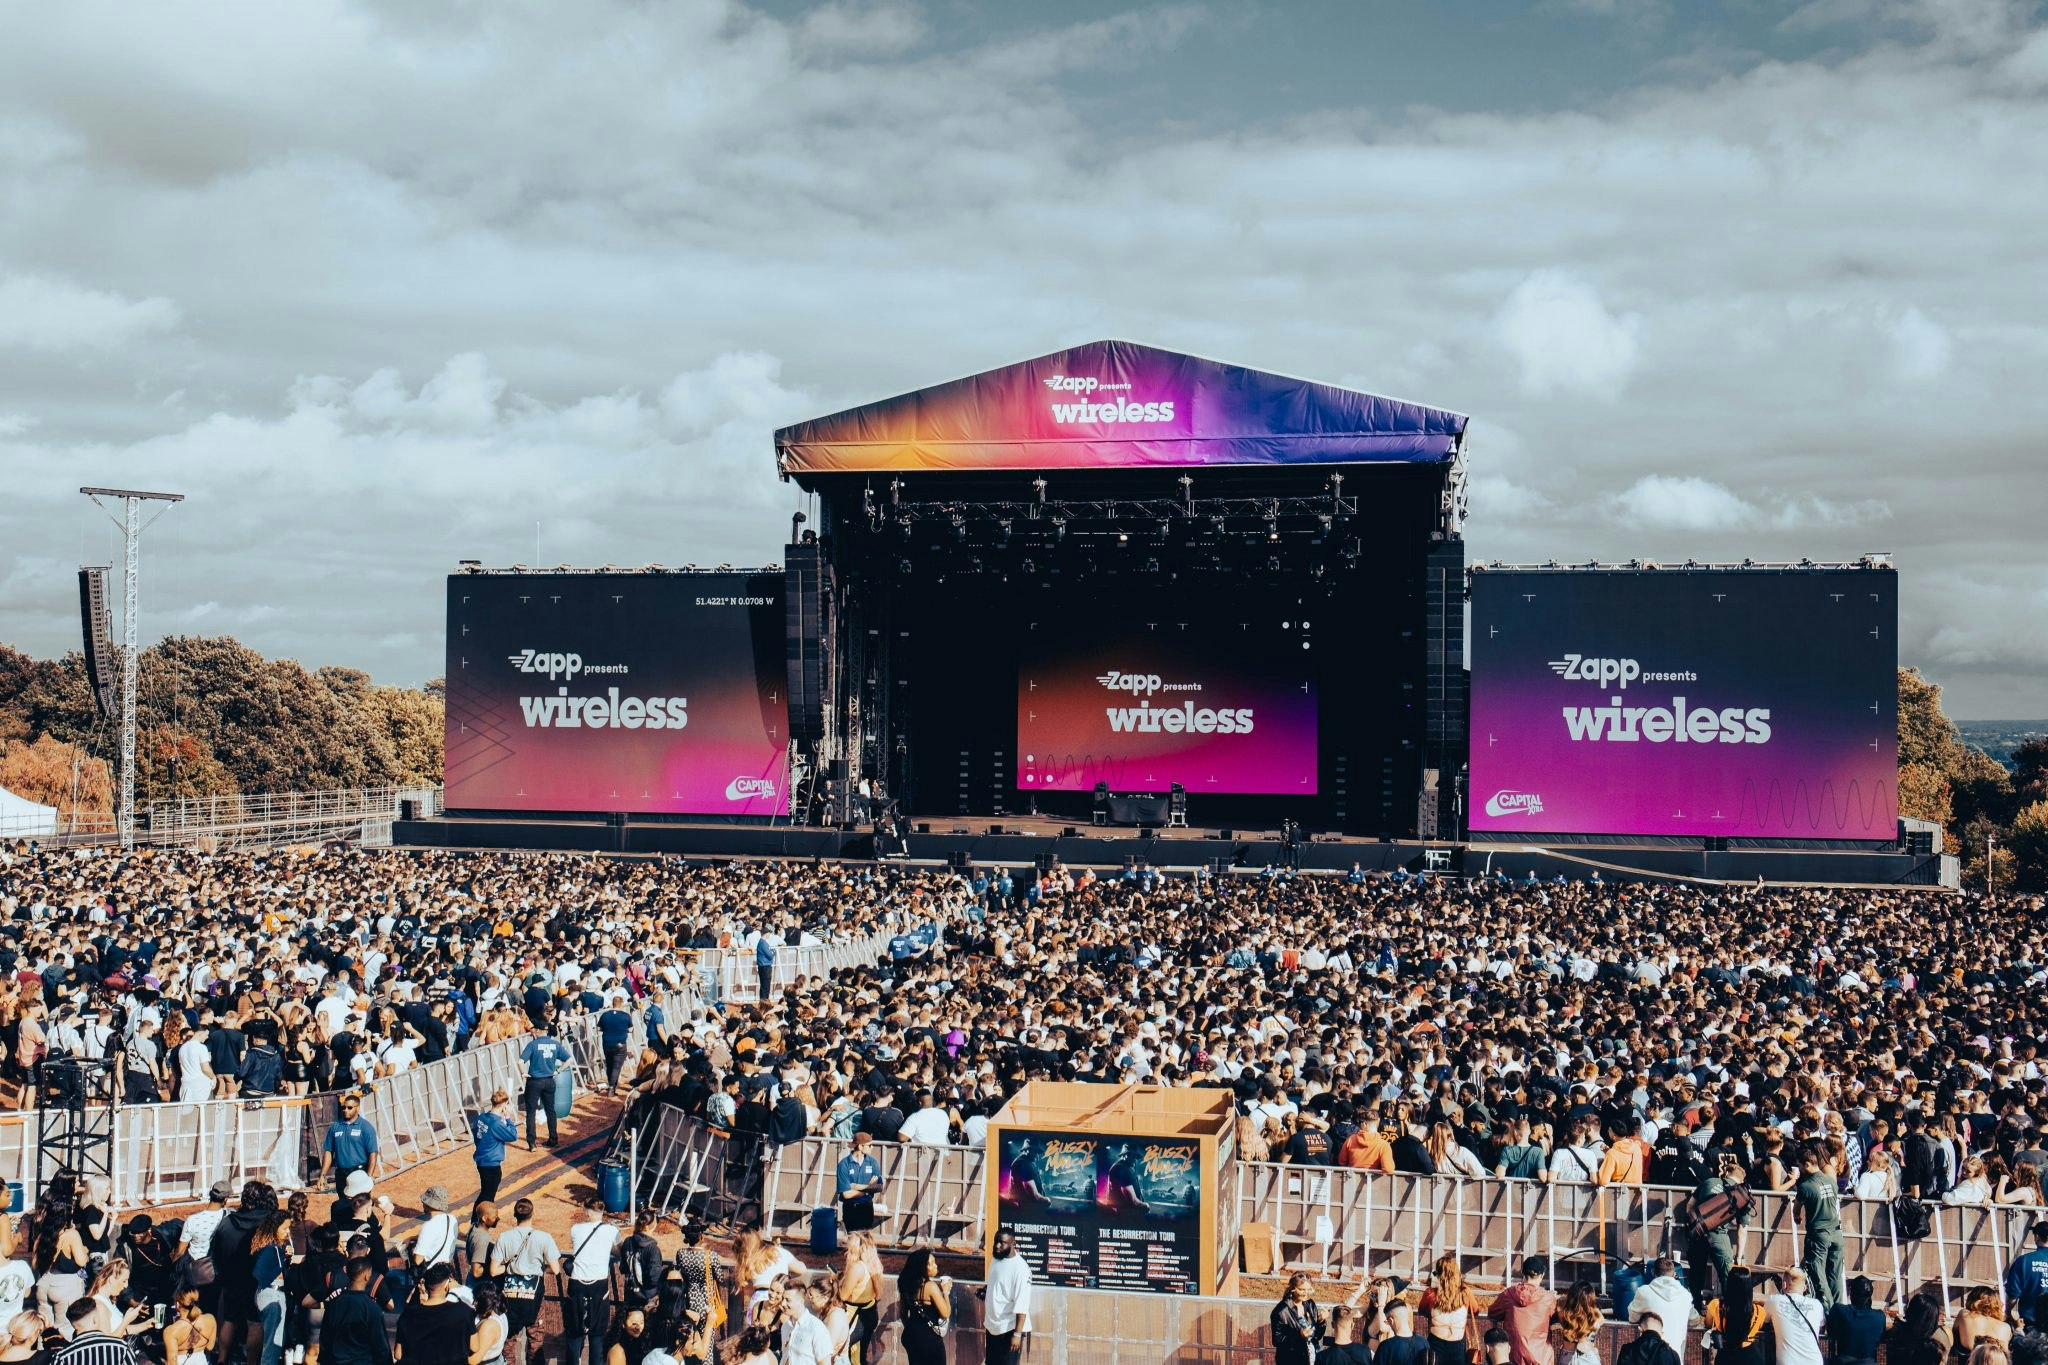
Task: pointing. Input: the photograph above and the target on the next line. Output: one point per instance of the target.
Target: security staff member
(544, 1055)
(351, 1144)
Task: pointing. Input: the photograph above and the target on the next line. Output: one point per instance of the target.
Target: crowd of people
(1830, 1044)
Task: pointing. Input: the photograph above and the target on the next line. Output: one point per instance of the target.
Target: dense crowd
(1827, 1043)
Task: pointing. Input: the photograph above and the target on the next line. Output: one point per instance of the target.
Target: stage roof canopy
(1118, 405)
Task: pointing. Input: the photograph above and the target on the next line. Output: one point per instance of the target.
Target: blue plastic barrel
(1627, 1280)
(615, 1186)
(565, 1092)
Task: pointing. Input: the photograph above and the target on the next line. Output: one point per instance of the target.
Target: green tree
(2028, 841)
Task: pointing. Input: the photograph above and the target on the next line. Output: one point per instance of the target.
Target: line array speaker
(100, 661)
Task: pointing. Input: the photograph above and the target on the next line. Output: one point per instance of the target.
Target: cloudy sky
(385, 285)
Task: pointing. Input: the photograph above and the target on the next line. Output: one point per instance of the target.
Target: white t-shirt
(199, 1229)
(928, 1126)
(439, 1235)
(591, 1251)
(1796, 1322)
(16, 1280)
(193, 1082)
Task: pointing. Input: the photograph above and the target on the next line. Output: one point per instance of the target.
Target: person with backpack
(1718, 1208)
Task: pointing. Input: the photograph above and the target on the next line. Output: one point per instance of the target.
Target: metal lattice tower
(131, 535)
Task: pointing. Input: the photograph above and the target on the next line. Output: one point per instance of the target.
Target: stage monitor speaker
(1070, 833)
(995, 829)
(100, 662)
(1218, 866)
(1146, 832)
(408, 809)
(924, 829)
(1226, 834)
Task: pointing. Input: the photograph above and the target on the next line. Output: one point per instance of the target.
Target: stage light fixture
(1151, 566)
(1123, 537)
(1004, 539)
(895, 492)
(1273, 534)
(1059, 529)
(1030, 567)
(1273, 563)
(1038, 489)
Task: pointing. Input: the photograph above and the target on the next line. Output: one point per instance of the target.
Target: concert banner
(1732, 703)
(1093, 1211)
(603, 692)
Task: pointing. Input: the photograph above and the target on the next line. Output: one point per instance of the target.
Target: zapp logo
(1514, 803)
(563, 666)
(1137, 684)
(1072, 383)
(750, 789)
(1579, 668)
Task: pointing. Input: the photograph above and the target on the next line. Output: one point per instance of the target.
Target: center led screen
(1218, 707)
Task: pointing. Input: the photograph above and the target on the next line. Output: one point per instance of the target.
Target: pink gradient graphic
(1118, 403)
(1810, 657)
(706, 647)
(1073, 698)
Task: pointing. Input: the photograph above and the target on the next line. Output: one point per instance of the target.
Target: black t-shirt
(224, 1046)
(1309, 1147)
(436, 1333)
(881, 1123)
(1350, 1353)
(1400, 1351)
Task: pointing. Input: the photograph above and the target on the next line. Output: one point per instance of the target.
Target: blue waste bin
(1627, 1280)
(615, 1186)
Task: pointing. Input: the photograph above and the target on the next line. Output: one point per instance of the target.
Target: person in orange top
(1628, 1158)
(1366, 1150)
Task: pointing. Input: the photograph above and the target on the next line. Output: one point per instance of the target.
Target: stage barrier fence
(1334, 1219)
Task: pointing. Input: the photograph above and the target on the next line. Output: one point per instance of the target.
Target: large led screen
(640, 693)
(1751, 704)
(1222, 707)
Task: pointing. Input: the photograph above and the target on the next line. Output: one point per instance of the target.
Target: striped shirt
(96, 1348)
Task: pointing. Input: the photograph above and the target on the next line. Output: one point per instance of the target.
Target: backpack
(1911, 1219)
(1706, 1215)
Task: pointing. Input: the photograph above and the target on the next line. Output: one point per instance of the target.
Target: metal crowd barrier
(173, 1153)
(1337, 1220)
(730, 974)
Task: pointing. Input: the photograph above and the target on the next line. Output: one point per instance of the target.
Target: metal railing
(1336, 1220)
(220, 824)
(731, 974)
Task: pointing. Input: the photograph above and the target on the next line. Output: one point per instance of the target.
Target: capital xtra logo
(750, 788)
(1514, 803)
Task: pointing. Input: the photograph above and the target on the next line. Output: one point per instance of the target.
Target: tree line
(213, 717)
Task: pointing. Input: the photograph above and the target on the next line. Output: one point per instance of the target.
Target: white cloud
(1564, 339)
(1922, 347)
(40, 313)
(1665, 502)
(1690, 503)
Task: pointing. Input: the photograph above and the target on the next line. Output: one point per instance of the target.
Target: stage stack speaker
(808, 633)
(1101, 812)
(1920, 843)
(1177, 807)
(1426, 807)
(1444, 699)
(409, 810)
(100, 663)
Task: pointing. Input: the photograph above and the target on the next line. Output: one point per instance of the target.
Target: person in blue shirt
(655, 1024)
(2026, 1281)
(351, 1143)
(492, 1129)
(543, 1056)
(764, 960)
(1357, 875)
(860, 1180)
(614, 1026)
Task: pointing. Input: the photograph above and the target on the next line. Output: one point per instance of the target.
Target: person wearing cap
(350, 1145)
(543, 1056)
(195, 1245)
(440, 1233)
(492, 1130)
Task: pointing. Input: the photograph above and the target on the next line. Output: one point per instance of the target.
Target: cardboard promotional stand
(1124, 1187)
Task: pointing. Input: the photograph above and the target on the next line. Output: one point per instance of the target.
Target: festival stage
(1022, 842)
